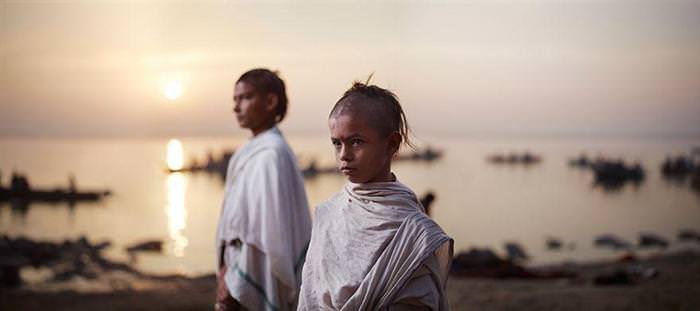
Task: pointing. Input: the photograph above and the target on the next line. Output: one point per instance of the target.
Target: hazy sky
(99, 68)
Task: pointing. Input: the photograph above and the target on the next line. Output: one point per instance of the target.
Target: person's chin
(242, 124)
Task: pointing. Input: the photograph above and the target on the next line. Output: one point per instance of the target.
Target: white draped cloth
(374, 248)
(265, 224)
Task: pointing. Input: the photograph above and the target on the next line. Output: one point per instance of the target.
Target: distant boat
(553, 243)
(611, 241)
(678, 167)
(652, 240)
(56, 195)
(612, 173)
(428, 154)
(312, 170)
(525, 158)
(689, 235)
(20, 190)
(582, 162)
(213, 165)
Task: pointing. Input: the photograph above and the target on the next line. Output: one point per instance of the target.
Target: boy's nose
(345, 154)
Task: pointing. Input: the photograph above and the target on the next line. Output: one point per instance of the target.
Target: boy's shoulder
(329, 204)
(273, 147)
(277, 144)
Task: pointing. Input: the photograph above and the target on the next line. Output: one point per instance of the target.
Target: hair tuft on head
(392, 118)
(369, 78)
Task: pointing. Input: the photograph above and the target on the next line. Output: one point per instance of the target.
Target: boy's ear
(394, 143)
(272, 101)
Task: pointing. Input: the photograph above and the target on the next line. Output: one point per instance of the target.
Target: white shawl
(367, 242)
(264, 223)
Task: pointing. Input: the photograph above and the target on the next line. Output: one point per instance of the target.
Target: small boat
(20, 190)
(56, 195)
(525, 158)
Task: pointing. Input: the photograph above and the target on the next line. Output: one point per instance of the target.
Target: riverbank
(674, 285)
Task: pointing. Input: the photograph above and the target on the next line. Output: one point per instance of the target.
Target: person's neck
(263, 128)
(384, 177)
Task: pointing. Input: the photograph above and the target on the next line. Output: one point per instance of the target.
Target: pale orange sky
(598, 67)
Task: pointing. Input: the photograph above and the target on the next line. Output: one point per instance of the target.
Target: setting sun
(172, 90)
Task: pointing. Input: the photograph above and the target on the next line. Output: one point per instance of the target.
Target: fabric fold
(266, 209)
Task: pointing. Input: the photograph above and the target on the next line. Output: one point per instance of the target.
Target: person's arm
(224, 301)
(421, 292)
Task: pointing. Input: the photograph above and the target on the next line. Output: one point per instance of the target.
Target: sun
(172, 90)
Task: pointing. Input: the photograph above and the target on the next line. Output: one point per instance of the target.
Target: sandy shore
(676, 287)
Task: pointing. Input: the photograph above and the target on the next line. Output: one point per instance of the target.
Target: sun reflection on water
(175, 154)
(175, 210)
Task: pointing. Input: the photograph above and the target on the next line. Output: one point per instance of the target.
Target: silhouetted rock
(515, 252)
(484, 263)
(66, 259)
(630, 274)
(618, 277)
(147, 246)
(10, 266)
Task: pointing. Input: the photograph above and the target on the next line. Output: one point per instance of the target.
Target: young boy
(372, 246)
(265, 226)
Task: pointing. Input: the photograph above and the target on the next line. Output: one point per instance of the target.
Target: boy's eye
(335, 143)
(356, 142)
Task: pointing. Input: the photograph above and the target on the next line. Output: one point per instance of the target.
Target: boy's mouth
(346, 170)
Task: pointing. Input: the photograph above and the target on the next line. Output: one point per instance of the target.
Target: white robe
(264, 224)
(373, 248)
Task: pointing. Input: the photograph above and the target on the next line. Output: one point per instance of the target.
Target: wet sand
(676, 287)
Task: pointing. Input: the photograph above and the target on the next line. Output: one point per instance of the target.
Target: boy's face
(362, 154)
(253, 110)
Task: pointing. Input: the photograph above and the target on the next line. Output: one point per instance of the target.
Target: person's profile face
(253, 110)
(362, 154)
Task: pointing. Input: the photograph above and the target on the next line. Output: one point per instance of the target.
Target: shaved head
(375, 114)
(378, 107)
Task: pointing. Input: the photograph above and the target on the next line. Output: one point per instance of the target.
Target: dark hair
(389, 118)
(268, 82)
